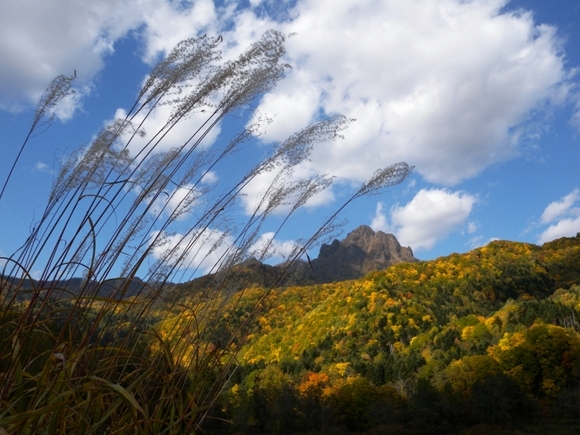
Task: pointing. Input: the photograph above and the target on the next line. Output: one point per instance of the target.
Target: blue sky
(481, 97)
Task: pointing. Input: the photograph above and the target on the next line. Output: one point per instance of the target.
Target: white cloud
(167, 23)
(66, 107)
(479, 241)
(476, 242)
(261, 189)
(247, 28)
(441, 84)
(561, 207)
(42, 167)
(472, 227)
(209, 177)
(44, 39)
(566, 227)
(41, 40)
(563, 217)
(429, 217)
(178, 203)
(379, 222)
(445, 85)
(292, 106)
(207, 250)
(266, 247)
(198, 250)
(176, 137)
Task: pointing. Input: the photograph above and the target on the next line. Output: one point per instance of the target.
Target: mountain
(407, 300)
(362, 251)
(112, 288)
(432, 344)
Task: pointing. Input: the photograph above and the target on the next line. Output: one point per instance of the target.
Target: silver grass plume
(59, 88)
(384, 178)
(185, 62)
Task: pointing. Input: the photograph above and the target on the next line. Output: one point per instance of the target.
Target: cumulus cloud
(380, 222)
(476, 242)
(262, 189)
(42, 167)
(66, 108)
(178, 203)
(479, 241)
(566, 227)
(298, 92)
(558, 208)
(166, 23)
(204, 251)
(181, 201)
(472, 227)
(442, 84)
(429, 217)
(563, 216)
(155, 132)
(446, 85)
(40, 40)
(207, 250)
(210, 177)
(268, 248)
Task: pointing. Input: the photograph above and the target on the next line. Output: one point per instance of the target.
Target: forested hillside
(489, 336)
(467, 343)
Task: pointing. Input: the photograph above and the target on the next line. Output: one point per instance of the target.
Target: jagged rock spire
(362, 251)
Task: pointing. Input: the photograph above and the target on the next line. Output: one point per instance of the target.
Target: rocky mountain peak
(362, 251)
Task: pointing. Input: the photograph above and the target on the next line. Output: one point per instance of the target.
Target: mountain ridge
(442, 336)
(362, 251)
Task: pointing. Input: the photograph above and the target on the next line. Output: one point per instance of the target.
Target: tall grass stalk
(120, 352)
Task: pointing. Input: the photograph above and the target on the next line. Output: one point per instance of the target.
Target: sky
(482, 97)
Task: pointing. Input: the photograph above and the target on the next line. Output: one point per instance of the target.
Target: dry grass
(92, 360)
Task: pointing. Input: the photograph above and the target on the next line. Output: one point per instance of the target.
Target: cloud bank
(45, 39)
(445, 85)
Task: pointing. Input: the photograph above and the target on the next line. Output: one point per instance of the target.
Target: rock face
(361, 252)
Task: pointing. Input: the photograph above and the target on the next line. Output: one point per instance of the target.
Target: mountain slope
(431, 342)
(405, 300)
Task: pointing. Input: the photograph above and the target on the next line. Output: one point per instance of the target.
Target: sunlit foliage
(485, 336)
